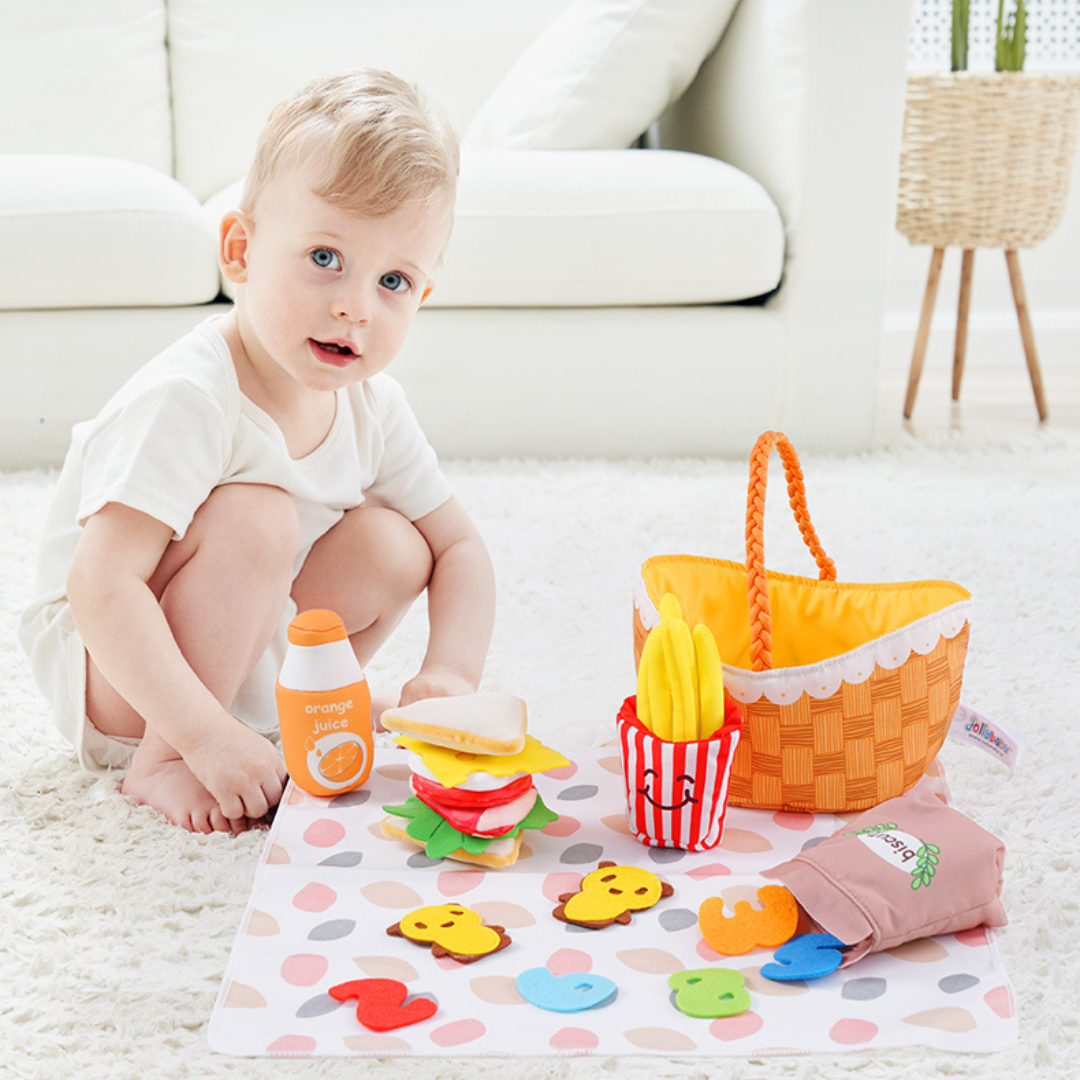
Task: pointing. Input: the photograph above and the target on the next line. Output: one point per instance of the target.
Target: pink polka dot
(564, 772)
(324, 833)
(291, 1045)
(852, 1032)
(975, 937)
(707, 952)
(461, 1031)
(571, 1038)
(569, 961)
(1000, 1000)
(314, 897)
(303, 969)
(562, 826)
(797, 822)
(557, 884)
(700, 873)
(456, 882)
(730, 1028)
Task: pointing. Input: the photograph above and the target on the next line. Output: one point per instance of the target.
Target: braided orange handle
(757, 577)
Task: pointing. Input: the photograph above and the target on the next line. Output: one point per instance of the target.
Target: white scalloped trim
(786, 685)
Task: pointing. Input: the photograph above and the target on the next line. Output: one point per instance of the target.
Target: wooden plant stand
(922, 337)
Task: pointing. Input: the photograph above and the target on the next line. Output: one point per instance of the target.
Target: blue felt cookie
(808, 956)
(564, 993)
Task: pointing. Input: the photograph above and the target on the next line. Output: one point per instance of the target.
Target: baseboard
(993, 337)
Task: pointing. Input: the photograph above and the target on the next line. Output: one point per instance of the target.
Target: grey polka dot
(317, 1006)
(863, 989)
(953, 984)
(419, 861)
(578, 792)
(677, 919)
(351, 798)
(343, 858)
(813, 842)
(665, 855)
(332, 930)
(576, 854)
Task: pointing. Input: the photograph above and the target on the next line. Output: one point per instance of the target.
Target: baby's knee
(405, 559)
(256, 519)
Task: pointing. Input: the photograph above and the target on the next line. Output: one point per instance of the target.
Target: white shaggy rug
(115, 927)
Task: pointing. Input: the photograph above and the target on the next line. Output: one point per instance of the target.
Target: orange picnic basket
(846, 689)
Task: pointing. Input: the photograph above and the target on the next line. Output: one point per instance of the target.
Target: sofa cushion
(233, 60)
(86, 78)
(580, 228)
(599, 74)
(82, 231)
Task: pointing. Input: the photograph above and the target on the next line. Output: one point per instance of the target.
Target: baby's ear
(233, 236)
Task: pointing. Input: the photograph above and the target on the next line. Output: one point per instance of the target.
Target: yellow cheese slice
(452, 767)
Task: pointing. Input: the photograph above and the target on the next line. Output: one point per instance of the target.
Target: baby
(265, 464)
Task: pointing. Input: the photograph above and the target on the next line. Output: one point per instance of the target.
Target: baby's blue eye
(394, 281)
(326, 259)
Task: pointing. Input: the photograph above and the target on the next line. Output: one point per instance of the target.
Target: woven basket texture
(986, 158)
(868, 742)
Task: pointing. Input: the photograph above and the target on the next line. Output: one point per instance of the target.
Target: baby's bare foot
(160, 778)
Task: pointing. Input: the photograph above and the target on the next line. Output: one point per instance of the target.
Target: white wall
(1051, 270)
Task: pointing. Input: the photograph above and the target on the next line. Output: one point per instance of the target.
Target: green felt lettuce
(440, 838)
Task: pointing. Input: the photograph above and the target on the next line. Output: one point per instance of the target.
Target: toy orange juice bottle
(324, 707)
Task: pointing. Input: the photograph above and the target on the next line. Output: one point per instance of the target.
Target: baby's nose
(353, 307)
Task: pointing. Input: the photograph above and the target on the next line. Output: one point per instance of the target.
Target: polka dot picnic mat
(329, 885)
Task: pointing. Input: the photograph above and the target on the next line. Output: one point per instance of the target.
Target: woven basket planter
(986, 158)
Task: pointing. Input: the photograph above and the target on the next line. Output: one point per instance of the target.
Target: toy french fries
(680, 688)
(677, 737)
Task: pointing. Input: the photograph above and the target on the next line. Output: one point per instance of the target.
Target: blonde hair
(385, 146)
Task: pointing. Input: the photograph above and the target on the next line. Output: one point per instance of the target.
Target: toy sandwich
(472, 765)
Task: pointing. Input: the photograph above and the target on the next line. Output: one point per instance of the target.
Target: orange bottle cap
(316, 627)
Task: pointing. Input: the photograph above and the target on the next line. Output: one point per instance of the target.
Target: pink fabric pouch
(909, 868)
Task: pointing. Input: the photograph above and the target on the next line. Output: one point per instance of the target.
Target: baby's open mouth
(335, 347)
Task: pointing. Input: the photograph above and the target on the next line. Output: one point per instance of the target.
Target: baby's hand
(241, 769)
(432, 682)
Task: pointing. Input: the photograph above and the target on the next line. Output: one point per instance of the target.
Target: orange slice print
(342, 763)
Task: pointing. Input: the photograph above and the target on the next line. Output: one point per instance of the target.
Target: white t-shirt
(181, 427)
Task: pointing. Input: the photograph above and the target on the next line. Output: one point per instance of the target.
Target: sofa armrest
(807, 96)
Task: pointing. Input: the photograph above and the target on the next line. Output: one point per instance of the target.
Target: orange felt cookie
(611, 894)
(451, 930)
(749, 928)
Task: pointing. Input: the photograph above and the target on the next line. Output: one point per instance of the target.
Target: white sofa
(723, 275)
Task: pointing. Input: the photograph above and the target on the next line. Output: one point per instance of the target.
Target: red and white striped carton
(676, 792)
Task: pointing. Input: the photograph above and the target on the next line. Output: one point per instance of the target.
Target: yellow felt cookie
(749, 928)
(452, 767)
(451, 930)
(611, 894)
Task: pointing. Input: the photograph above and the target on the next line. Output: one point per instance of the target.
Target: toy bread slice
(490, 723)
(499, 853)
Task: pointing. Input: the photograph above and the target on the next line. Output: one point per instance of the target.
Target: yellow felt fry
(710, 682)
(659, 688)
(644, 710)
(670, 607)
(678, 656)
(687, 680)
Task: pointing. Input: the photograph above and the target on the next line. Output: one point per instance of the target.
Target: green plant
(1011, 39)
(961, 11)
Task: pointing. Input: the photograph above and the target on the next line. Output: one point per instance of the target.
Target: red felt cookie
(379, 1003)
